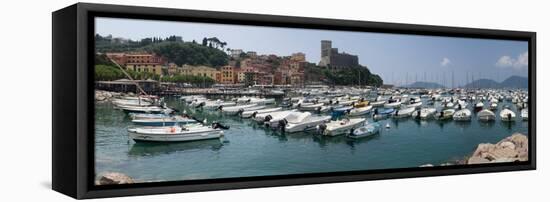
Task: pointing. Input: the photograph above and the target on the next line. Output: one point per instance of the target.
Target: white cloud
(519, 63)
(445, 62)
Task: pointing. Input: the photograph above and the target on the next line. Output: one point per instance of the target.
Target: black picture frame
(73, 103)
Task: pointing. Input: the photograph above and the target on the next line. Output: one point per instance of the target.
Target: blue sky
(397, 58)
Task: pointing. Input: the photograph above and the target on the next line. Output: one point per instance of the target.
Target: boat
(268, 116)
(132, 102)
(382, 113)
(301, 122)
(392, 103)
(254, 100)
(507, 115)
(402, 113)
(449, 105)
(486, 115)
(479, 106)
(146, 109)
(339, 127)
(378, 103)
(446, 114)
(424, 113)
(233, 110)
(367, 130)
(147, 116)
(360, 111)
(524, 114)
(175, 133)
(169, 121)
(311, 107)
(462, 115)
(414, 102)
(361, 104)
(341, 111)
(248, 113)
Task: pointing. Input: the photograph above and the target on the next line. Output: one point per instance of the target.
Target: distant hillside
(512, 82)
(421, 84)
(515, 82)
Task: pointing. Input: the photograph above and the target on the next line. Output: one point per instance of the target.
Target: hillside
(512, 82)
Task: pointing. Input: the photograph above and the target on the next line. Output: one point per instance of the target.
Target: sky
(398, 58)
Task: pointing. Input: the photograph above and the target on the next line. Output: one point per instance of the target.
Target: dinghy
(368, 130)
(393, 103)
(382, 113)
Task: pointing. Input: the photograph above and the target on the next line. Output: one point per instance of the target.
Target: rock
(510, 149)
(114, 178)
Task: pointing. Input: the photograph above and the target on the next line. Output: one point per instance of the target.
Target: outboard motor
(282, 125)
(217, 125)
(268, 118)
(418, 114)
(254, 114)
(509, 116)
(321, 128)
(200, 105)
(396, 112)
(318, 109)
(219, 108)
(241, 110)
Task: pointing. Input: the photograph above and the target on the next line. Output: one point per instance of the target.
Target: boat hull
(138, 137)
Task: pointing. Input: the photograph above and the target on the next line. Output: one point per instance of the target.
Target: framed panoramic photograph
(153, 100)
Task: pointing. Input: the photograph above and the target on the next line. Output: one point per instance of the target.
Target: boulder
(114, 178)
(510, 149)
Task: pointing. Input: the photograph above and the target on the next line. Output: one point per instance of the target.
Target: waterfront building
(201, 70)
(140, 62)
(236, 53)
(228, 75)
(330, 57)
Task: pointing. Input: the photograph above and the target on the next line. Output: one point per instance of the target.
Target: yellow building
(228, 75)
(153, 68)
(205, 71)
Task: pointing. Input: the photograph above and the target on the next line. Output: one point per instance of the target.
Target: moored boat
(339, 127)
(252, 113)
(462, 115)
(174, 134)
(486, 115)
(367, 130)
(507, 115)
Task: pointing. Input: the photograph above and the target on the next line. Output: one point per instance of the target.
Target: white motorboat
(367, 130)
(132, 102)
(507, 115)
(174, 133)
(273, 118)
(414, 102)
(252, 113)
(360, 111)
(339, 127)
(267, 116)
(378, 103)
(402, 113)
(462, 115)
(424, 113)
(393, 103)
(165, 121)
(486, 115)
(297, 122)
(233, 110)
(146, 109)
(311, 107)
(524, 114)
(444, 115)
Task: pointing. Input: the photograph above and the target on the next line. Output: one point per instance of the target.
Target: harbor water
(248, 149)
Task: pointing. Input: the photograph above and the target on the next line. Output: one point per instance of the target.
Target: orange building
(228, 75)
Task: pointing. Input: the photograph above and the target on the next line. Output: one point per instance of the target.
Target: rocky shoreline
(113, 178)
(511, 149)
(101, 95)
